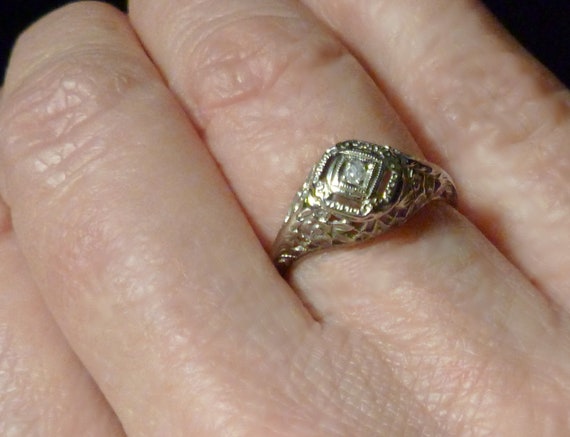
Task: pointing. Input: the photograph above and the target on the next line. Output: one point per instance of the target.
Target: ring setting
(356, 191)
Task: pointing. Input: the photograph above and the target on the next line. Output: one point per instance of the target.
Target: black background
(543, 26)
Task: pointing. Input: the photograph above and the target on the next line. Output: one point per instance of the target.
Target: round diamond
(354, 172)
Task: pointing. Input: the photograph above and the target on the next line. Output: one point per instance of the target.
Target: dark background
(543, 26)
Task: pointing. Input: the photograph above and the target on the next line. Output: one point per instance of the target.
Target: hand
(146, 164)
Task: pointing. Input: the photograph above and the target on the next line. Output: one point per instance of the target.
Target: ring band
(357, 190)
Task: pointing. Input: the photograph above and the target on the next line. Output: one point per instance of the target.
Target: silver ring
(357, 191)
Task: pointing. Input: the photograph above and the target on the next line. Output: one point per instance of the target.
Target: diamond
(354, 172)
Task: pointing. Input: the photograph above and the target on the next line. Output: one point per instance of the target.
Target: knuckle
(243, 58)
(66, 71)
(54, 124)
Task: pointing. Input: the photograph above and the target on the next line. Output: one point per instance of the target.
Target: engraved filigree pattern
(326, 213)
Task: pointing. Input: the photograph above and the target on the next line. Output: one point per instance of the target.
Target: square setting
(353, 174)
(355, 178)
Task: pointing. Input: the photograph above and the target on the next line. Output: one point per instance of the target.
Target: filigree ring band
(357, 190)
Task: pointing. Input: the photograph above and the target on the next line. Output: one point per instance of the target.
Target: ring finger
(271, 89)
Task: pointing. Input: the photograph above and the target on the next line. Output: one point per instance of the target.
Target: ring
(357, 191)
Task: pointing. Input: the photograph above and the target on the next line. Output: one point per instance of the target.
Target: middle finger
(115, 205)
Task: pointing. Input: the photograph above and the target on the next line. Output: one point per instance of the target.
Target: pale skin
(146, 163)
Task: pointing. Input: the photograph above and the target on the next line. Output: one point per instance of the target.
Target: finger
(146, 260)
(271, 90)
(292, 65)
(486, 110)
(44, 389)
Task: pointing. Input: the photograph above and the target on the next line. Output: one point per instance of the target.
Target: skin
(147, 161)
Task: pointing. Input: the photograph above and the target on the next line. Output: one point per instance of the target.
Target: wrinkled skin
(146, 163)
